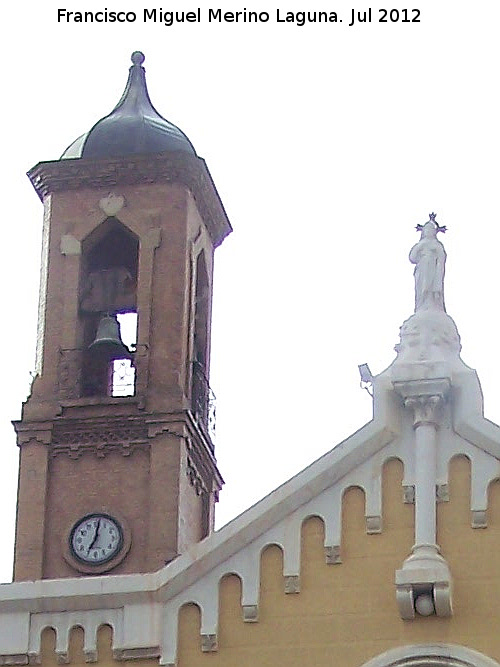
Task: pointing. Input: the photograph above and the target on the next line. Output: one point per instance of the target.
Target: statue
(429, 257)
(429, 336)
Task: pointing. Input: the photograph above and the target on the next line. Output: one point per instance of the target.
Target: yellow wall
(346, 614)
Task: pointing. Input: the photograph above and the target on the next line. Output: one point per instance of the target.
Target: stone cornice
(98, 436)
(168, 167)
(102, 434)
(200, 456)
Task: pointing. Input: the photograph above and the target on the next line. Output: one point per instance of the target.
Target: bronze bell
(108, 341)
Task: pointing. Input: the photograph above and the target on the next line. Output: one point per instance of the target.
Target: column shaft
(425, 487)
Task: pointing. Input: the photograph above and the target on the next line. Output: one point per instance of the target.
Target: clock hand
(96, 535)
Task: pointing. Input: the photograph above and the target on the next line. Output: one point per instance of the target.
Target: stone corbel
(423, 585)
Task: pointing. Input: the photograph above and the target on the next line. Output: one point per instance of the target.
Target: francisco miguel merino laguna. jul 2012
(217, 15)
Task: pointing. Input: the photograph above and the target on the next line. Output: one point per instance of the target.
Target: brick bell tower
(117, 468)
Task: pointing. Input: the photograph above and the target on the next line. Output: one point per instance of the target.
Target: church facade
(383, 552)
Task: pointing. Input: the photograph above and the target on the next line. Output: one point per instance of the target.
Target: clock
(96, 539)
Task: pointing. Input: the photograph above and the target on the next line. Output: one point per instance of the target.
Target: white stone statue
(429, 257)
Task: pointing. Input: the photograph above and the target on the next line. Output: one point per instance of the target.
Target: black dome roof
(134, 125)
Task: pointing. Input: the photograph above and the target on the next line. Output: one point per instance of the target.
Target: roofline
(167, 167)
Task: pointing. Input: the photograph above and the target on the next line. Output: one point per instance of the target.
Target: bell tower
(117, 466)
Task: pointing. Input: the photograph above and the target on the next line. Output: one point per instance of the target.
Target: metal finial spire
(137, 58)
(133, 127)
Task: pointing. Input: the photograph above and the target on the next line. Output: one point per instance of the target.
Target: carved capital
(426, 409)
(425, 398)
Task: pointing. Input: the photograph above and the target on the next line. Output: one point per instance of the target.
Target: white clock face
(96, 539)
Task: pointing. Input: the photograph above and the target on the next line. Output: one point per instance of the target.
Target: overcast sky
(327, 144)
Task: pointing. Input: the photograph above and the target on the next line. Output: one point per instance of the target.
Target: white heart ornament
(112, 204)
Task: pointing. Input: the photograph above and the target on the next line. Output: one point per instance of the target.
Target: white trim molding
(432, 655)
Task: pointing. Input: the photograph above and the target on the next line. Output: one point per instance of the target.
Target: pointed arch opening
(108, 310)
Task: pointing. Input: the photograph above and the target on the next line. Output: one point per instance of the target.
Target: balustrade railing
(203, 402)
